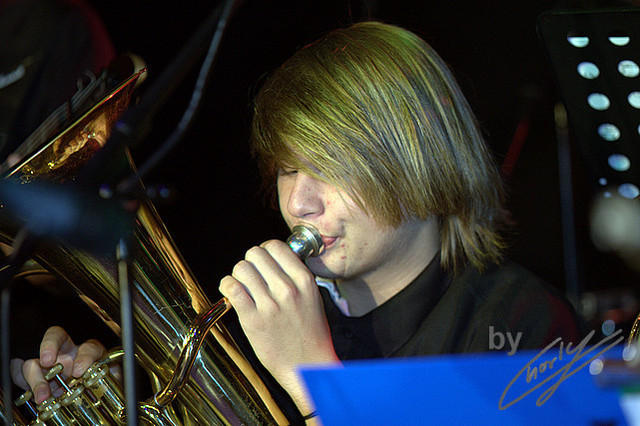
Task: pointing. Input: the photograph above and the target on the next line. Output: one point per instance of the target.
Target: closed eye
(284, 171)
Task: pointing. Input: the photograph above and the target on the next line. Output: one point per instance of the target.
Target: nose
(305, 197)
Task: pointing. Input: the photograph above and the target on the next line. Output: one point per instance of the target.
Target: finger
(88, 353)
(279, 284)
(57, 342)
(32, 373)
(56, 389)
(284, 256)
(288, 261)
(251, 277)
(237, 294)
(264, 260)
(16, 373)
(116, 372)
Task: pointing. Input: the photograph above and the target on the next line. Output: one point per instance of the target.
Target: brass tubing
(82, 408)
(106, 390)
(192, 344)
(305, 241)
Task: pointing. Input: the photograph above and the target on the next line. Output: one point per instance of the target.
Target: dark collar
(383, 331)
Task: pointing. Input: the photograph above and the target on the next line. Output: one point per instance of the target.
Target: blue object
(468, 390)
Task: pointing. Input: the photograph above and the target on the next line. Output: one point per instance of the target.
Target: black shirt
(438, 314)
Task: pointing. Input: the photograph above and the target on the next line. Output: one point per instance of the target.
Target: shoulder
(511, 298)
(505, 298)
(501, 284)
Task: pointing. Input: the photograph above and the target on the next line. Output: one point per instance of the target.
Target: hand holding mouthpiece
(305, 241)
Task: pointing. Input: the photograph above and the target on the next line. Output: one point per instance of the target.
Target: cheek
(282, 195)
(286, 216)
(282, 205)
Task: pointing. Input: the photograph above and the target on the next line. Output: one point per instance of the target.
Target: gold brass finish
(60, 159)
(18, 418)
(180, 341)
(635, 331)
(221, 387)
(52, 412)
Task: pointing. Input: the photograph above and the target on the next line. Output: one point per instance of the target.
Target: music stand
(596, 60)
(595, 56)
(465, 389)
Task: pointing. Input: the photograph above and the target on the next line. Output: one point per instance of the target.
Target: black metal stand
(569, 246)
(22, 251)
(105, 168)
(595, 57)
(127, 333)
(596, 61)
(5, 336)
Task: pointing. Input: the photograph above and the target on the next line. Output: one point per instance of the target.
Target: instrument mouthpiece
(305, 241)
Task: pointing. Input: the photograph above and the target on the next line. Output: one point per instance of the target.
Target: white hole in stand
(578, 41)
(628, 190)
(619, 40)
(609, 132)
(598, 101)
(588, 70)
(628, 69)
(634, 99)
(619, 162)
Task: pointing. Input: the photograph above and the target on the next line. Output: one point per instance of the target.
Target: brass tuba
(198, 373)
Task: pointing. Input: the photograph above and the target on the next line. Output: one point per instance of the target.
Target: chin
(319, 268)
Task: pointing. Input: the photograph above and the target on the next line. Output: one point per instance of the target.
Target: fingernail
(40, 393)
(77, 370)
(47, 358)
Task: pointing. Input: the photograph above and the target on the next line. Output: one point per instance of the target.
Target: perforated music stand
(595, 56)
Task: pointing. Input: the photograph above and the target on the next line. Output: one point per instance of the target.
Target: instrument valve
(94, 374)
(25, 399)
(50, 409)
(54, 374)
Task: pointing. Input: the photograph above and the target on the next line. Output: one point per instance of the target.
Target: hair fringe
(479, 245)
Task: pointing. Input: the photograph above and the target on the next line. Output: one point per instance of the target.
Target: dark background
(216, 210)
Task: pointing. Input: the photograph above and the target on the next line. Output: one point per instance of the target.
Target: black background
(217, 212)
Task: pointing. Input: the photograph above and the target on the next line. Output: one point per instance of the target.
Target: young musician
(365, 135)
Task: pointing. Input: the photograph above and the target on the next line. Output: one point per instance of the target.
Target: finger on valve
(57, 346)
(88, 353)
(33, 375)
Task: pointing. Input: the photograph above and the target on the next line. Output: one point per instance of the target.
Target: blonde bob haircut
(373, 110)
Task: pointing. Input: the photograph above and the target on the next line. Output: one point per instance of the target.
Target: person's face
(355, 245)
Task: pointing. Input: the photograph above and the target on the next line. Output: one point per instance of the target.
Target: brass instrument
(634, 334)
(198, 374)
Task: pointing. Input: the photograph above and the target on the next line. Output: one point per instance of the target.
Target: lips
(328, 241)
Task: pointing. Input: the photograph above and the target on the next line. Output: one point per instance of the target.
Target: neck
(398, 270)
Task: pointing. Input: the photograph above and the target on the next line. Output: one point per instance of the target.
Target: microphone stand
(127, 132)
(135, 124)
(128, 346)
(132, 128)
